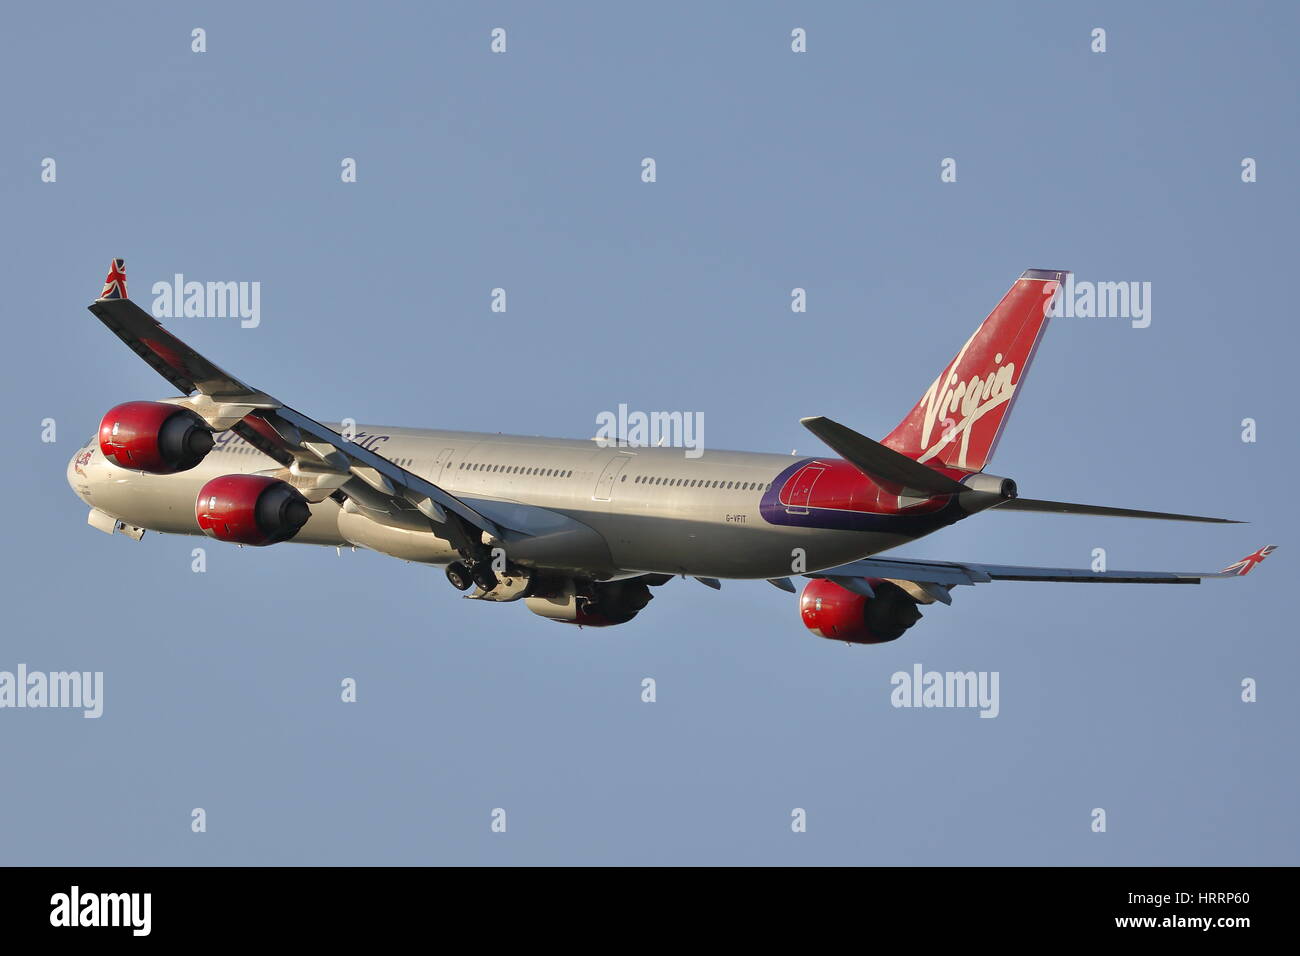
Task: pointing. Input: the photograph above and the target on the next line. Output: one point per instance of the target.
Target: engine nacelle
(250, 509)
(831, 611)
(156, 437)
(607, 603)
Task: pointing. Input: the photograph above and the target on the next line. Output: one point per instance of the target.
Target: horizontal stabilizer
(1065, 508)
(892, 470)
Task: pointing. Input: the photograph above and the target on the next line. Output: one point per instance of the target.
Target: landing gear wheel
(458, 575)
(484, 577)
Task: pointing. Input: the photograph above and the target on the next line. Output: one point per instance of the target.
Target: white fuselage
(599, 511)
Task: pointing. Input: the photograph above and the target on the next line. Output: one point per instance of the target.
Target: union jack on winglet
(115, 284)
(1247, 564)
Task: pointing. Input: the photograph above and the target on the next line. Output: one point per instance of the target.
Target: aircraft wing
(320, 462)
(946, 574)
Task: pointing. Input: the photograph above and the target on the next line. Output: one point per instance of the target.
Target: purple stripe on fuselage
(835, 519)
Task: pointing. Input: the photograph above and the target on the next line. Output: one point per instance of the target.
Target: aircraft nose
(78, 471)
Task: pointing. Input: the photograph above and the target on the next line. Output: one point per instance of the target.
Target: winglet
(115, 284)
(1247, 564)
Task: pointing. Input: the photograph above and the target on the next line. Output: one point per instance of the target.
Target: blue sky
(775, 170)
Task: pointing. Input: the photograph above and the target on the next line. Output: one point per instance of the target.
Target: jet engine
(603, 604)
(155, 437)
(834, 612)
(250, 509)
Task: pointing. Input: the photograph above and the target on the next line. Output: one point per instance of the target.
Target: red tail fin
(959, 418)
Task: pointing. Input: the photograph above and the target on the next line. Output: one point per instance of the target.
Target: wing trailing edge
(950, 573)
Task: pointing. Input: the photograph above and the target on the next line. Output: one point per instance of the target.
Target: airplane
(581, 531)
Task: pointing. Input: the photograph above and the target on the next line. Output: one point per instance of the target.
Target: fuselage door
(605, 483)
(801, 487)
(439, 463)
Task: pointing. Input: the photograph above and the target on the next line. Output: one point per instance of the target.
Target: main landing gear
(459, 577)
(463, 578)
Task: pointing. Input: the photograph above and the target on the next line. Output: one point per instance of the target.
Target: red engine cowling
(155, 437)
(829, 610)
(250, 509)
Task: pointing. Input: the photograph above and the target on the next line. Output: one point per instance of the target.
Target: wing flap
(946, 573)
(412, 487)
